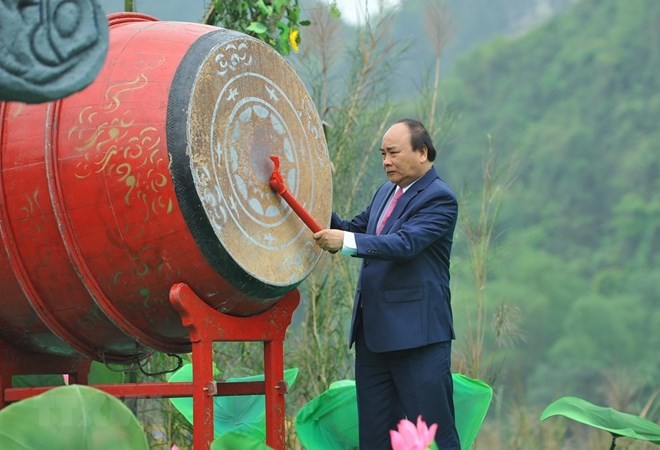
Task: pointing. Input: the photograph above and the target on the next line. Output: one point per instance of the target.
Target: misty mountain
(575, 101)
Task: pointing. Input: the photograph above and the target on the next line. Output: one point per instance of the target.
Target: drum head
(235, 102)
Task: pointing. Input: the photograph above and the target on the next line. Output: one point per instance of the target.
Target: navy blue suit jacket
(403, 289)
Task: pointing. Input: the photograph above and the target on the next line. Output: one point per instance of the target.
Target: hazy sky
(176, 10)
(354, 10)
(193, 10)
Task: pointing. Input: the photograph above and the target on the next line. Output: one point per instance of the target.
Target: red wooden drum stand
(205, 326)
(158, 173)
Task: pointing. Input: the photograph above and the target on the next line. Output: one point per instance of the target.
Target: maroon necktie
(386, 215)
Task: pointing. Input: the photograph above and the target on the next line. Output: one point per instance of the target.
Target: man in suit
(402, 320)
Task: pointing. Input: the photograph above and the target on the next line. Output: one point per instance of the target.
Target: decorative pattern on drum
(244, 105)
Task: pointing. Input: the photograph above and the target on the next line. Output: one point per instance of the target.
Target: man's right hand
(330, 240)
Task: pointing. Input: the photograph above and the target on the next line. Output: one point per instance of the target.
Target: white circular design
(247, 105)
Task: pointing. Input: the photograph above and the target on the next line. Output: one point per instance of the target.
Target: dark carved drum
(157, 173)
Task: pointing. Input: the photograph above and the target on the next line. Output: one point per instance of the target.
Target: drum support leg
(206, 326)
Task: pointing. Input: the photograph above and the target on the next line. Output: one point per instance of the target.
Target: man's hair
(419, 137)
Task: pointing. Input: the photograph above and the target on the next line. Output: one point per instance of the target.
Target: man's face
(401, 163)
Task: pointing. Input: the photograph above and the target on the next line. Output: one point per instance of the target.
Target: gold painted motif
(32, 209)
(111, 143)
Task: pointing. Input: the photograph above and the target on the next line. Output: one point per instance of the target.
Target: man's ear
(423, 154)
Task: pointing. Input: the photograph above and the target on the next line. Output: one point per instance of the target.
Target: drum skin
(155, 174)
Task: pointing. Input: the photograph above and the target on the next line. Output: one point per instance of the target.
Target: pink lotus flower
(410, 437)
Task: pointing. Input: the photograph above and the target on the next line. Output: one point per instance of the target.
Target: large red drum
(155, 174)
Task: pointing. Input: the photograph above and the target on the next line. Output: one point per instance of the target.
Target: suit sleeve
(357, 225)
(429, 218)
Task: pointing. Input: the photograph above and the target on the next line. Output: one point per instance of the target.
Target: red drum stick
(277, 184)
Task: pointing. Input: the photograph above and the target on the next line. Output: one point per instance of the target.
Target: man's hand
(330, 240)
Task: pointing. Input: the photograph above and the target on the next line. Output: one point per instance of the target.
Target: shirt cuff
(349, 247)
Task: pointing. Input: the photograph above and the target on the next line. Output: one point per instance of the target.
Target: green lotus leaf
(243, 414)
(608, 419)
(69, 417)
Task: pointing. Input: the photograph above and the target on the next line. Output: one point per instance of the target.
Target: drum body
(155, 174)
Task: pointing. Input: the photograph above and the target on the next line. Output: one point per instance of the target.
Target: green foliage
(70, 417)
(576, 100)
(616, 422)
(235, 440)
(242, 414)
(162, 422)
(477, 226)
(37, 380)
(276, 22)
(330, 420)
(99, 373)
(334, 11)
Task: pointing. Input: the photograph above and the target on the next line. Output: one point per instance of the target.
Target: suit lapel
(407, 196)
(380, 202)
